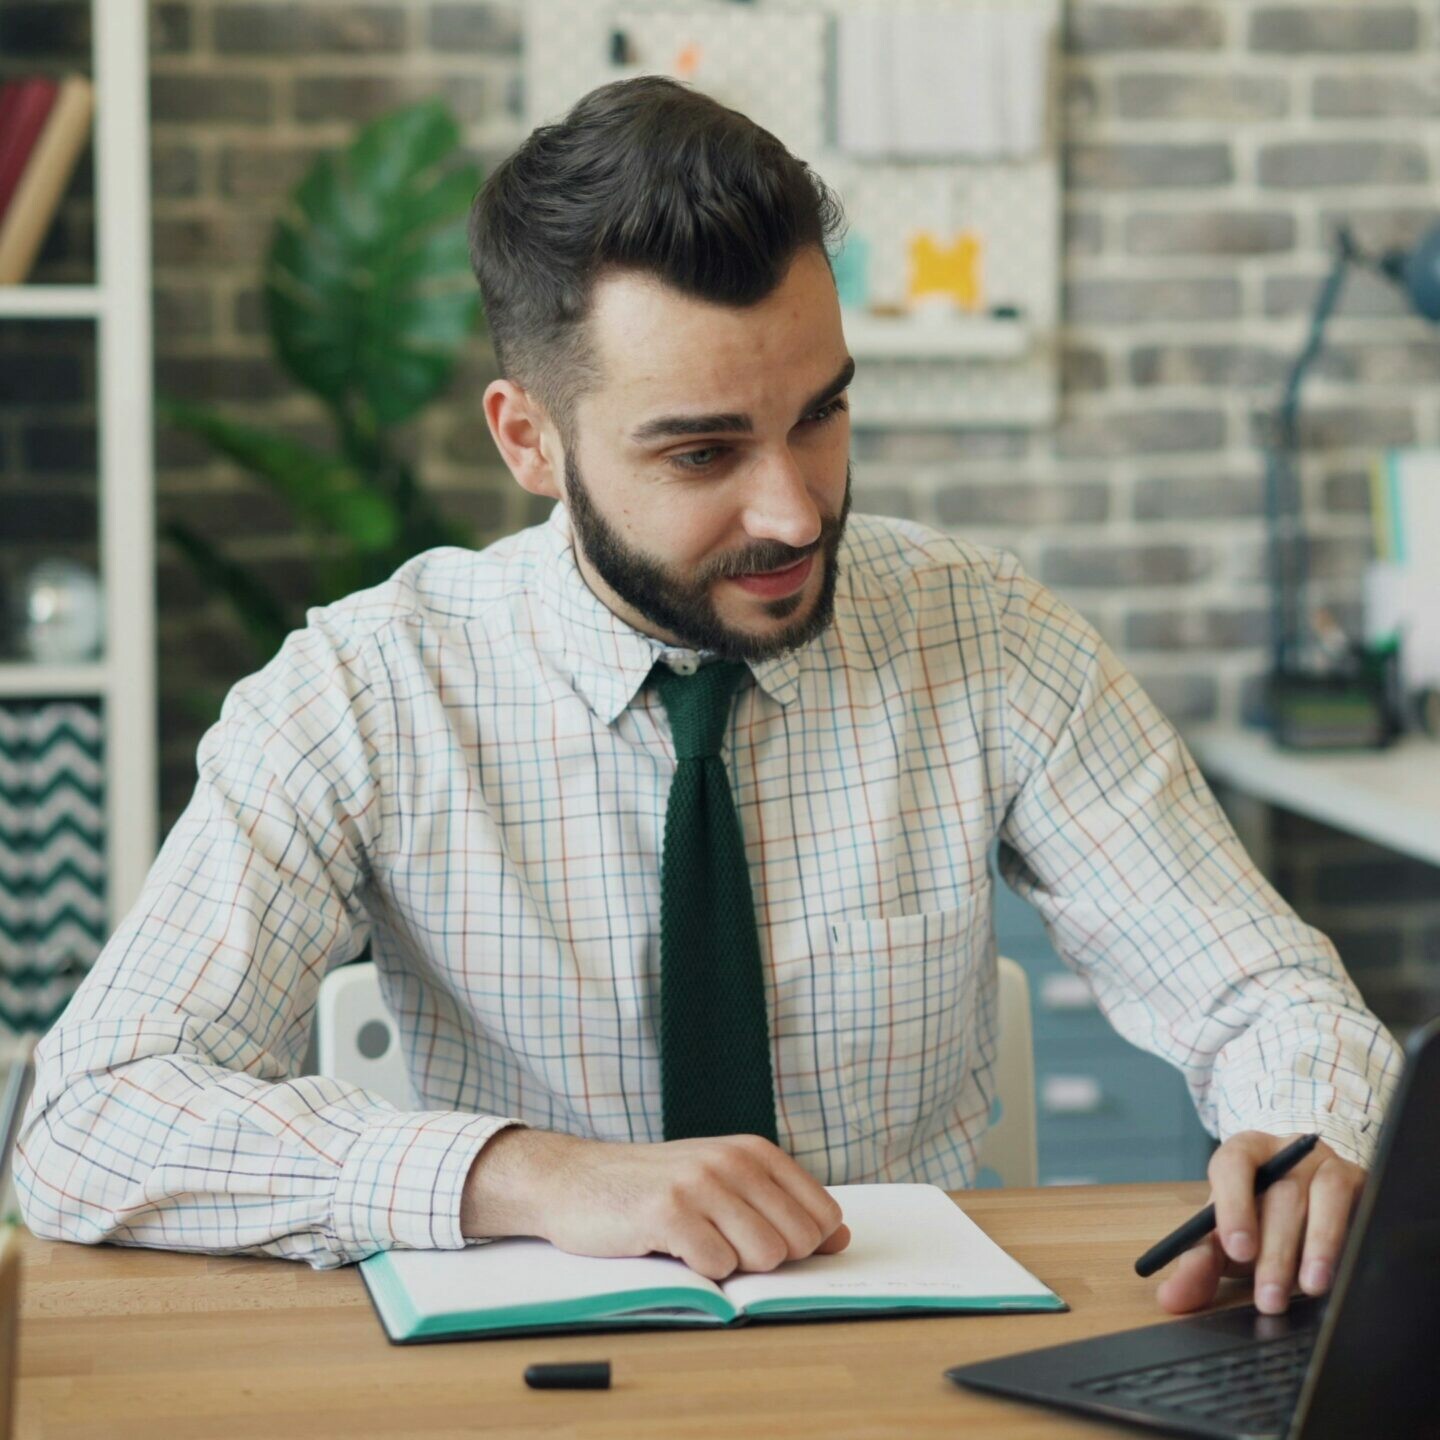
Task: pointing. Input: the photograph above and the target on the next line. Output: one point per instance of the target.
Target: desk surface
(133, 1343)
(1389, 796)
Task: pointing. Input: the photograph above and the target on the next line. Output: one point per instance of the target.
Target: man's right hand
(735, 1202)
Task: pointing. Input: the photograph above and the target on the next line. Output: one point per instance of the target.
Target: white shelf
(872, 406)
(20, 679)
(119, 304)
(51, 302)
(1389, 796)
(124, 371)
(963, 337)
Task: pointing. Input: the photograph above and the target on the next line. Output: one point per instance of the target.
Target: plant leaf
(258, 608)
(368, 282)
(328, 496)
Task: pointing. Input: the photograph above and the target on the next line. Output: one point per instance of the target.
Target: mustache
(767, 555)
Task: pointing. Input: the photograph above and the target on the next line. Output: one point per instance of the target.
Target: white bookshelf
(123, 680)
(19, 682)
(50, 302)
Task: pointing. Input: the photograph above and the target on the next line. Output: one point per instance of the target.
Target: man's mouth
(771, 584)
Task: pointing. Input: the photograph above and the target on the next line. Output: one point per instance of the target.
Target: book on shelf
(913, 1251)
(25, 105)
(44, 173)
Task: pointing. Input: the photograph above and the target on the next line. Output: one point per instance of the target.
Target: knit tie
(714, 1040)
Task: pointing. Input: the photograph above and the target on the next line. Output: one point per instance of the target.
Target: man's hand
(736, 1202)
(1297, 1227)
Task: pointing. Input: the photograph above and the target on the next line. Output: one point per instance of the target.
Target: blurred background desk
(1391, 797)
(1352, 840)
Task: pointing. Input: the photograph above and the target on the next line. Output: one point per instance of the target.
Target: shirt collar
(607, 659)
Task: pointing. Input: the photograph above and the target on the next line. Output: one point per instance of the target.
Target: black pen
(1195, 1229)
(569, 1375)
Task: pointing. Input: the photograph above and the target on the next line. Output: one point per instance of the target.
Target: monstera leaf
(368, 283)
(327, 495)
(370, 301)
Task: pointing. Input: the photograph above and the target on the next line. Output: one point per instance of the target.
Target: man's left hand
(1296, 1229)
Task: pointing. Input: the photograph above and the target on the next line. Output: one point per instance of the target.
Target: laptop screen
(1376, 1369)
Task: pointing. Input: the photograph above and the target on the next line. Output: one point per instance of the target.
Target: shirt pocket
(914, 1000)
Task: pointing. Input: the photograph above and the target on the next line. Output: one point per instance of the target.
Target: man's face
(714, 448)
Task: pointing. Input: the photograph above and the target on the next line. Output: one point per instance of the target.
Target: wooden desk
(127, 1343)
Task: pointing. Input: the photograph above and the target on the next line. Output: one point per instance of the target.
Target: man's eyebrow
(670, 426)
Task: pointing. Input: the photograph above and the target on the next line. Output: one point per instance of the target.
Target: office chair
(357, 1040)
(1009, 1146)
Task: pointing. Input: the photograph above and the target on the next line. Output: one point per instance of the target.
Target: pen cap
(576, 1375)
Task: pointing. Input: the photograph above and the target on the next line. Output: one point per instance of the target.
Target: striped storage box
(52, 857)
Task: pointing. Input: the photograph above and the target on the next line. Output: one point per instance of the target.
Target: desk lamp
(1347, 697)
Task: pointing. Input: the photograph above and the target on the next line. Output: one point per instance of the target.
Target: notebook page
(908, 1242)
(525, 1272)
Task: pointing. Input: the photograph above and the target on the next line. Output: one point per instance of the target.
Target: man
(665, 966)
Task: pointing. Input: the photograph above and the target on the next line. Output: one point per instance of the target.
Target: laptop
(1362, 1361)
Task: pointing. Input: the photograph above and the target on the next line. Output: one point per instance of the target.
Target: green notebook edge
(393, 1304)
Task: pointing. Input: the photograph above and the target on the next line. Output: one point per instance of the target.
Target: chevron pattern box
(52, 857)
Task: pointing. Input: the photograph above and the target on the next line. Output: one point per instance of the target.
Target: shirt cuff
(1350, 1139)
(402, 1181)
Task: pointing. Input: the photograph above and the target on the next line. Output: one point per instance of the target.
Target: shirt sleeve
(168, 1108)
(1113, 835)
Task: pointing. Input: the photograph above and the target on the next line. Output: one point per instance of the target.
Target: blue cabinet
(1106, 1112)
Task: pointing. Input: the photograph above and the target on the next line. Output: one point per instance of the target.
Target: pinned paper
(946, 270)
(931, 82)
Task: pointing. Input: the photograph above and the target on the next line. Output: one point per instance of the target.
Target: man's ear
(520, 429)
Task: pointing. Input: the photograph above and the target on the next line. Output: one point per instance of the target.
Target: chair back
(356, 1038)
(1009, 1147)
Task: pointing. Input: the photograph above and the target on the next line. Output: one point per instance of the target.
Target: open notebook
(912, 1250)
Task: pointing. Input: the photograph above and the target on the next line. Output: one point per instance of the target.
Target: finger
(757, 1243)
(697, 1242)
(799, 1229)
(1282, 1224)
(806, 1190)
(1333, 1192)
(1232, 1183)
(1192, 1284)
(835, 1241)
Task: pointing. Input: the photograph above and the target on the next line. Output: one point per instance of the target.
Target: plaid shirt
(464, 769)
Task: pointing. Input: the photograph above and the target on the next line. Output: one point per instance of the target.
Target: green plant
(370, 299)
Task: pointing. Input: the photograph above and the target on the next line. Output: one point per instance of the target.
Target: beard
(682, 605)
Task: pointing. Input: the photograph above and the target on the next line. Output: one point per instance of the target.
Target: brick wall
(1210, 150)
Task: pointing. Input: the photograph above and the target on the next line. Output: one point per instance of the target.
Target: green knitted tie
(714, 1040)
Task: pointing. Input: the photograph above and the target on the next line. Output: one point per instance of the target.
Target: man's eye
(697, 459)
(830, 411)
(708, 455)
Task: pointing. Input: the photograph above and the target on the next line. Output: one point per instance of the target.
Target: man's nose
(780, 505)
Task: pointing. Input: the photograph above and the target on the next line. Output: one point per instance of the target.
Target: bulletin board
(776, 60)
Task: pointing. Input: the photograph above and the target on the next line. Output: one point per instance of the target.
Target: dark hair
(643, 174)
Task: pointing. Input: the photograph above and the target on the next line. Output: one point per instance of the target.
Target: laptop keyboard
(1252, 1388)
